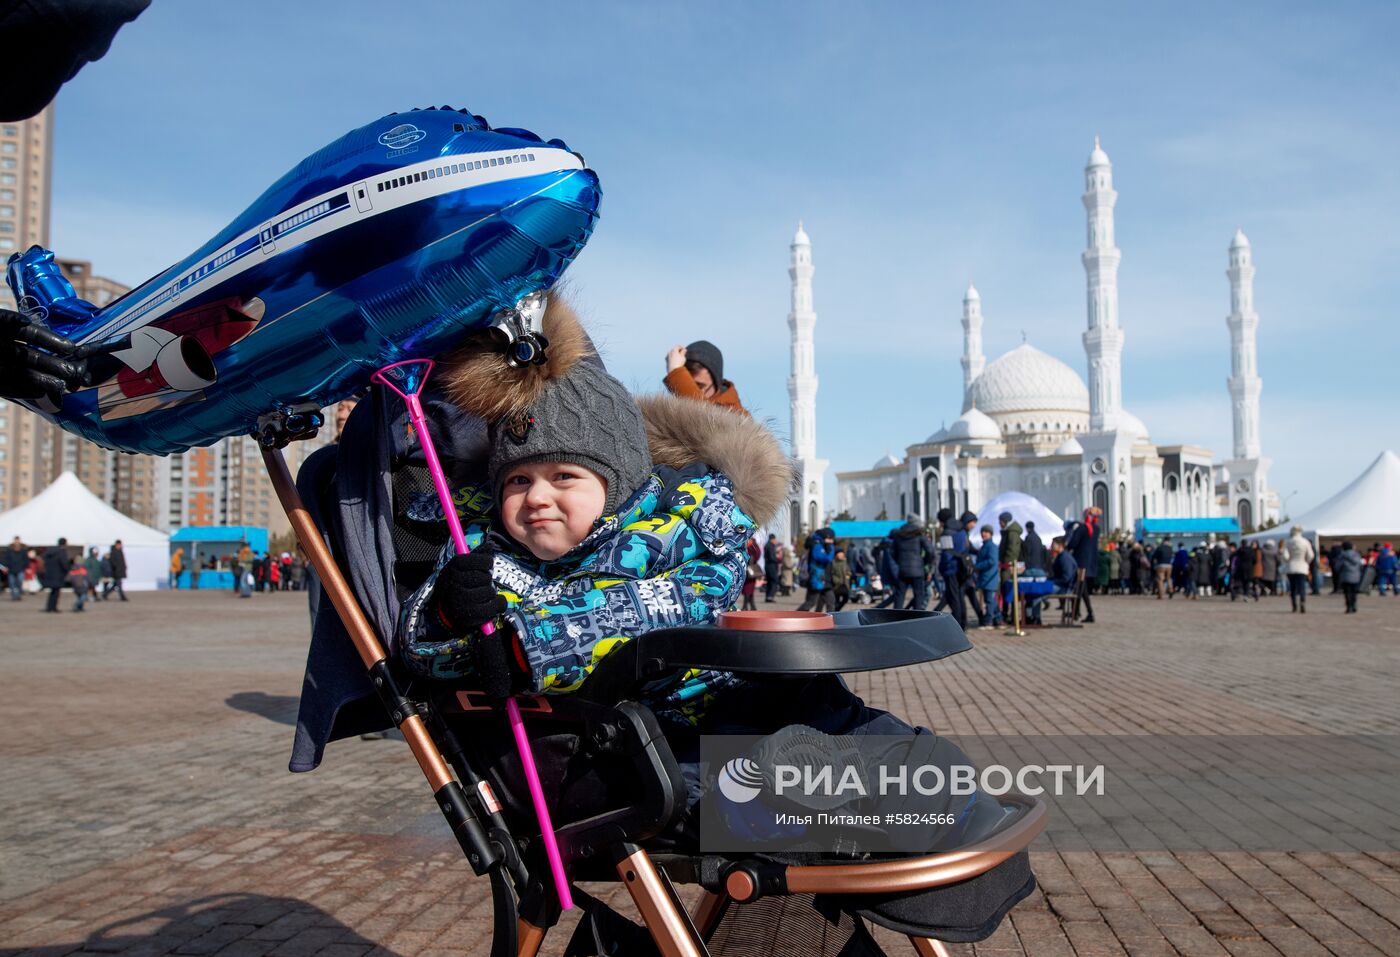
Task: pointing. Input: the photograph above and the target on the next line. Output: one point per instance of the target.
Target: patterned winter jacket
(673, 555)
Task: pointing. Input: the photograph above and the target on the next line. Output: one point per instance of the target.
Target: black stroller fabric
(958, 913)
(795, 924)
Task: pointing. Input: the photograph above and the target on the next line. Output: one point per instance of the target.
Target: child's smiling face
(549, 507)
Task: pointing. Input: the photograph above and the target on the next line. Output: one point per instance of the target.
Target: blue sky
(922, 144)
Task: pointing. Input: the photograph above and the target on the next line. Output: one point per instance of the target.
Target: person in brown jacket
(696, 372)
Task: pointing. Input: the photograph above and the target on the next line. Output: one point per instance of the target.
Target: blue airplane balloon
(394, 242)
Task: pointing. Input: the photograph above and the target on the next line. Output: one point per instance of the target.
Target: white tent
(1023, 508)
(66, 509)
(1368, 509)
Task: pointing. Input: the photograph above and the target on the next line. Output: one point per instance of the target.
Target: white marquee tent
(1366, 510)
(1023, 508)
(66, 509)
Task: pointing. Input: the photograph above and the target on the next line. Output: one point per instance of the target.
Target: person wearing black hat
(972, 595)
(696, 372)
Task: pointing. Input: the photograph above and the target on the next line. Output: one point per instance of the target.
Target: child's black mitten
(466, 599)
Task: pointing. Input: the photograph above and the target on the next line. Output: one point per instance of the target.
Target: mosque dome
(974, 426)
(1028, 380)
(800, 238)
(1127, 422)
(1240, 240)
(1070, 446)
(885, 461)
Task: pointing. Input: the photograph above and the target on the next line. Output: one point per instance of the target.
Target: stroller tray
(862, 640)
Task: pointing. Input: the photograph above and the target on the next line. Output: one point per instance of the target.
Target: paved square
(146, 808)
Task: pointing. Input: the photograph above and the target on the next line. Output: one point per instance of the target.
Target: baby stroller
(616, 790)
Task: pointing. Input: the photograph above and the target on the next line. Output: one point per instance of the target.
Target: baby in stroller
(600, 522)
(613, 517)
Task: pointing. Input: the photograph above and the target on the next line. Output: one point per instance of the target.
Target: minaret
(1103, 342)
(1251, 500)
(972, 360)
(808, 504)
(1243, 321)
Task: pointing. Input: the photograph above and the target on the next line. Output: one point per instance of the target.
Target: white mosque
(1030, 424)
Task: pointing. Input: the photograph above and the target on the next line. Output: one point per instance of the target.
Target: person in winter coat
(1114, 561)
(840, 579)
(888, 570)
(913, 557)
(1220, 568)
(1298, 555)
(1082, 540)
(787, 578)
(1386, 566)
(1347, 571)
(1182, 579)
(602, 533)
(16, 560)
(1201, 569)
(952, 545)
(177, 565)
(1268, 567)
(57, 566)
(118, 559)
(1064, 573)
(1010, 547)
(696, 372)
(610, 522)
(753, 573)
(92, 567)
(772, 567)
(821, 549)
(972, 595)
(1162, 558)
(1033, 551)
(988, 566)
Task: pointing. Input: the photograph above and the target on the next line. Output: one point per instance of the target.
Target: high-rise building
(26, 440)
(226, 484)
(26, 164)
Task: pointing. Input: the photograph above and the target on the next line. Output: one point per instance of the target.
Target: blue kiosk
(218, 545)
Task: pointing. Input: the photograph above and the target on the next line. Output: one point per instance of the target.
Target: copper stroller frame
(676, 933)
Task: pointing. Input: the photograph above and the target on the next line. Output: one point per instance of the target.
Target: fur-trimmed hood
(682, 431)
(679, 431)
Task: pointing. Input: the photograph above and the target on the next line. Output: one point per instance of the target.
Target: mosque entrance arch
(1245, 512)
(1101, 502)
(932, 495)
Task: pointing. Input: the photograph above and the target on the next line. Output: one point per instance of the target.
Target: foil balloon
(394, 242)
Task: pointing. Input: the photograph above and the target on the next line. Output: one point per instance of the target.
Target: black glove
(467, 600)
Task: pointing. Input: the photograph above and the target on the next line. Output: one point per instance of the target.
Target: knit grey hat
(586, 417)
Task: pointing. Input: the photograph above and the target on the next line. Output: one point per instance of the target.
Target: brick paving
(146, 808)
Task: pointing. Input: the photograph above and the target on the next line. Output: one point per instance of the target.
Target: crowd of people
(968, 568)
(94, 576)
(258, 572)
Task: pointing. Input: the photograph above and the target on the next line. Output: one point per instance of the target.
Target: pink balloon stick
(407, 387)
